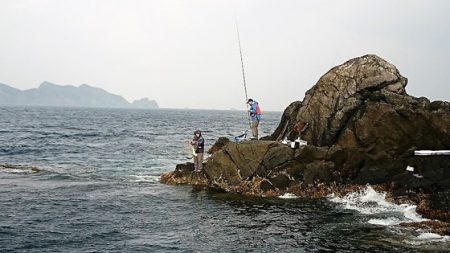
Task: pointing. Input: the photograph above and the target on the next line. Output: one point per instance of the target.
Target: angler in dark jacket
(198, 144)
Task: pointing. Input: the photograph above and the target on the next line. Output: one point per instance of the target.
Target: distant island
(49, 94)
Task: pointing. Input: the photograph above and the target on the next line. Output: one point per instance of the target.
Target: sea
(88, 180)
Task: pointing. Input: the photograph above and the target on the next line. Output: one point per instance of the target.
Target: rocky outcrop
(363, 128)
(220, 143)
(363, 103)
(185, 174)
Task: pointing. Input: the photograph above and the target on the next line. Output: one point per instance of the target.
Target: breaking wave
(370, 202)
(427, 238)
(381, 212)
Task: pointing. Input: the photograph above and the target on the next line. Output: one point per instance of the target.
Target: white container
(409, 168)
(294, 144)
(432, 152)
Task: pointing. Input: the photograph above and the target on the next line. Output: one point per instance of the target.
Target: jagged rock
(221, 169)
(266, 185)
(184, 174)
(241, 161)
(318, 171)
(281, 181)
(363, 104)
(379, 172)
(441, 201)
(435, 206)
(311, 153)
(220, 143)
(362, 107)
(288, 120)
(275, 157)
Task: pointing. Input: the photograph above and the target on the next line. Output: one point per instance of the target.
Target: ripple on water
(98, 190)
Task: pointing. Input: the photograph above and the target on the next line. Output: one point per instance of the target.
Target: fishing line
(243, 71)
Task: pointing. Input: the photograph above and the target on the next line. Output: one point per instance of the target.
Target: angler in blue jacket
(255, 114)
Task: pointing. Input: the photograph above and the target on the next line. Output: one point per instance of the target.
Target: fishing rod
(243, 72)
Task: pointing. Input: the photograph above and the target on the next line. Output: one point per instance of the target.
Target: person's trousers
(255, 124)
(198, 162)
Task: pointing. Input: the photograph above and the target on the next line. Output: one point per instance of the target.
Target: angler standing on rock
(255, 114)
(198, 144)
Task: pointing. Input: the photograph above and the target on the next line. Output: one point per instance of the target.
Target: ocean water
(98, 190)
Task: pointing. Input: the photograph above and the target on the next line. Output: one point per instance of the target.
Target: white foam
(431, 236)
(409, 211)
(140, 178)
(368, 201)
(426, 238)
(288, 196)
(383, 213)
(16, 171)
(385, 222)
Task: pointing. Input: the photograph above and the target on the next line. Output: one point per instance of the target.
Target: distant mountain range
(49, 94)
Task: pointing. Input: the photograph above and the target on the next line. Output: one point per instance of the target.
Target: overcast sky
(185, 53)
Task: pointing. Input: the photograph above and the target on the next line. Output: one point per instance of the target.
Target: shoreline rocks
(363, 129)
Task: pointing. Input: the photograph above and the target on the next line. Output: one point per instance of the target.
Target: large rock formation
(363, 103)
(363, 128)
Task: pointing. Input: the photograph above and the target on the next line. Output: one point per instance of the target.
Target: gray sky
(185, 53)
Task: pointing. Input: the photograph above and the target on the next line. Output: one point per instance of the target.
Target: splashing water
(370, 202)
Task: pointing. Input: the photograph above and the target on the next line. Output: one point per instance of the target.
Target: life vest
(258, 110)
